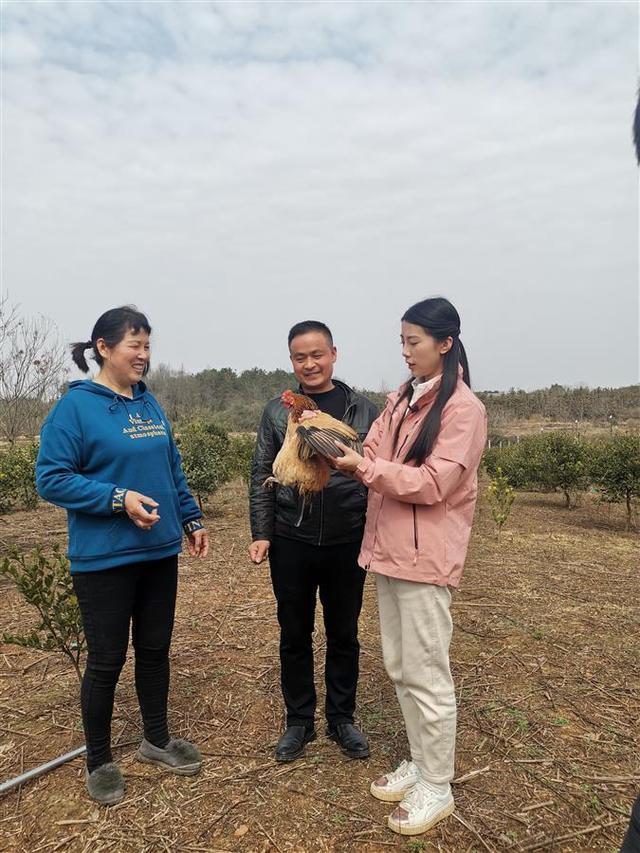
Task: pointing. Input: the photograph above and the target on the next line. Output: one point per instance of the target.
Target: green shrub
(18, 477)
(551, 461)
(204, 446)
(45, 583)
(615, 470)
(241, 451)
(563, 463)
(514, 463)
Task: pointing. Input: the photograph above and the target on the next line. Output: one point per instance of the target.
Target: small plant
(415, 845)
(45, 583)
(594, 804)
(501, 497)
(560, 721)
(373, 717)
(537, 634)
(490, 707)
(521, 721)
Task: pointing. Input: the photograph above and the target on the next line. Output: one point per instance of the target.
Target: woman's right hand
(133, 506)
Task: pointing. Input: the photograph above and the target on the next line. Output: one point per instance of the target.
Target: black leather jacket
(337, 514)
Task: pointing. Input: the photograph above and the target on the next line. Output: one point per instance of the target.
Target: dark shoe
(105, 784)
(292, 743)
(350, 739)
(179, 756)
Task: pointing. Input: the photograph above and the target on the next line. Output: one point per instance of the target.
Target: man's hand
(198, 543)
(133, 506)
(350, 459)
(259, 549)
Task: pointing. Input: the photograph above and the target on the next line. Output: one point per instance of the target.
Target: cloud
(235, 167)
(18, 49)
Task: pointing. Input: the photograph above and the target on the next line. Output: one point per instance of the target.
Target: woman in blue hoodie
(108, 457)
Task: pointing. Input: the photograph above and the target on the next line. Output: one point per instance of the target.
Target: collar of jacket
(352, 396)
(427, 397)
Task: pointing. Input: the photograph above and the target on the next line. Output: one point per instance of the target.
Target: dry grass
(546, 658)
(586, 429)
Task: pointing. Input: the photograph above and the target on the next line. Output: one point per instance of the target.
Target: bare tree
(32, 370)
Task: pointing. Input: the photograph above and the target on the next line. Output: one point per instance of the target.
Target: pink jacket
(419, 518)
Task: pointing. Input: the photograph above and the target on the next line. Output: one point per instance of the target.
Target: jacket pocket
(125, 536)
(289, 506)
(416, 545)
(286, 497)
(88, 535)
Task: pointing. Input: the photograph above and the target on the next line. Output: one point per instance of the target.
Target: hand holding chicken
(310, 446)
(350, 459)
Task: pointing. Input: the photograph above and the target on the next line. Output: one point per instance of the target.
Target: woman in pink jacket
(420, 464)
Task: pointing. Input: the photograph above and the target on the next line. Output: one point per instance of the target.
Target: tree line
(236, 399)
(33, 374)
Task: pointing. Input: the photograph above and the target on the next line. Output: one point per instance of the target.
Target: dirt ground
(546, 659)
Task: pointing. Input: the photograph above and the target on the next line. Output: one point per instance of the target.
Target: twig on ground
(555, 839)
(536, 806)
(475, 832)
(221, 814)
(470, 775)
(267, 836)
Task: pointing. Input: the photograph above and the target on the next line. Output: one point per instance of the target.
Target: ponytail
(77, 354)
(439, 319)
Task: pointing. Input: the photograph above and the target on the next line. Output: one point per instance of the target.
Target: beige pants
(416, 627)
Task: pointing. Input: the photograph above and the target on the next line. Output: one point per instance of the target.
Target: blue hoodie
(94, 446)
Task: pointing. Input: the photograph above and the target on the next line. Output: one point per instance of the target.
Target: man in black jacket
(311, 551)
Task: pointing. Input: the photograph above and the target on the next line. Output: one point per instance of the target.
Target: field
(546, 659)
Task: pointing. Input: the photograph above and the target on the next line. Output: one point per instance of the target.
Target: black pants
(298, 570)
(145, 594)
(631, 843)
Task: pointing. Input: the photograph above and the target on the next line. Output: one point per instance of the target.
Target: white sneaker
(392, 787)
(420, 809)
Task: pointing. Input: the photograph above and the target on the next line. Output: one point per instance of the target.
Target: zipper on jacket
(404, 441)
(301, 516)
(415, 535)
(346, 412)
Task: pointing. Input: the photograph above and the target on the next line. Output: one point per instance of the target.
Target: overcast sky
(233, 168)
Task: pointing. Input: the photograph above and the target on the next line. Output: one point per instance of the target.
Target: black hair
(439, 319)
(111, 326)
(309, 326)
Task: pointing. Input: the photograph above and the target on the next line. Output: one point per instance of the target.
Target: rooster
(303, 461)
